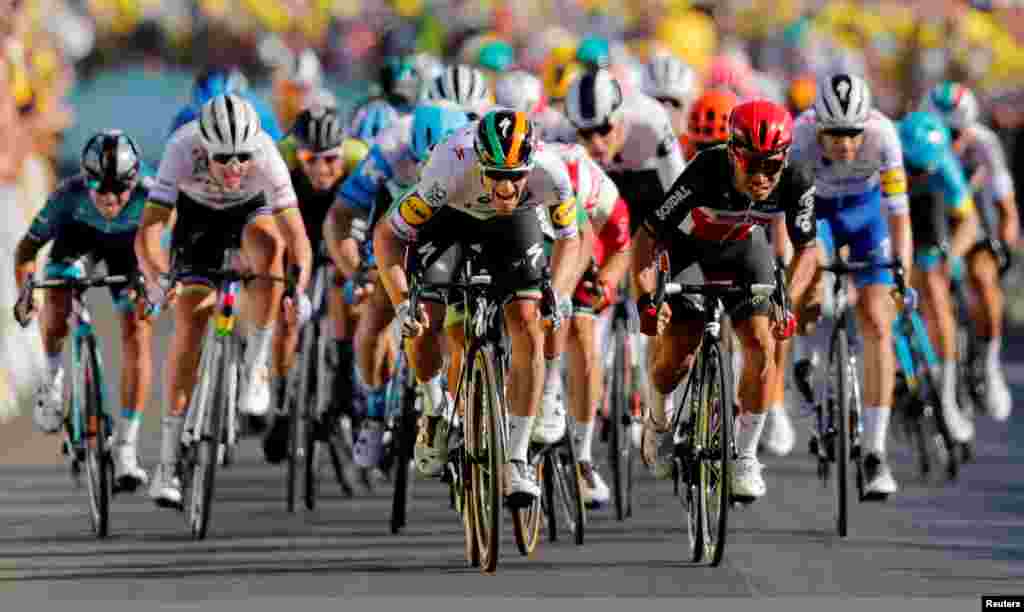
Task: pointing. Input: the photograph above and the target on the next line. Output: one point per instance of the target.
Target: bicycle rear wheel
(526, 521)
(485, 443)
(687, 460)
(620, 444)
(204, 465)
(98, 464)
(568, 488)
(839, 360)
(714, 432)
(297, 406)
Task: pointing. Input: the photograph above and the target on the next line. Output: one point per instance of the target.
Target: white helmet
(229, 124)
(843, 102)
(519, 90)
(954, 103)
(461, 85)
(667, 76)
(593, 99)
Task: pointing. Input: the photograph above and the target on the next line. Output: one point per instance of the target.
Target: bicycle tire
(548, 503)
(526, 521)
(485, 434)
(839, 360)
(686, 463)
(404, 440)
(620, 444)
(98, 466)
(934, 430)
(568, 480)
(297, 409)
(204, 468)
(717, 399)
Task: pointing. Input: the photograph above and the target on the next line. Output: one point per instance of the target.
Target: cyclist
(984, 162)
(324, 157)
(709, 121)
(631, 139)
(401, 86)
(713, 216)
(522, 91)
(226, 180)
(217, 80)
(674, 83)
(860, 200)
(391, 168)
(938, 191)
(95, 214)
(479, 187)
(464, 87)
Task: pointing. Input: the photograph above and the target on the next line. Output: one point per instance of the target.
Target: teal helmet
(497, 55)
(925, 139)
(594, 52)
(432, 123)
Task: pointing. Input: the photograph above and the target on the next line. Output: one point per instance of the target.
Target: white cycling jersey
(984, 154)
(651, 143)
(553, 126)
(185, 169)
(452, 177)
(879, 162)
(594, 190)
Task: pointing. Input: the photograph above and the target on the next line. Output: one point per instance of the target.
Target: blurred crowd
(774, 48)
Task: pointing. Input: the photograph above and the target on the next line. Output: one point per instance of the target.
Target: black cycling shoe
(275, 444)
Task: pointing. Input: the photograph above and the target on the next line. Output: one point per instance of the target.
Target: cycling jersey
(983, 153)
(268, 120)
(185, 170)
(933, 197)
(948, 182)
(453, 179)
(704, 204)
(553, 126)
(70, 204)
(389, 161)
(352, 152)
(879, 162)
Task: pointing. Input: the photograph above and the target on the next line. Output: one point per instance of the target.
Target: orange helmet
(709, 117)
(801, 93)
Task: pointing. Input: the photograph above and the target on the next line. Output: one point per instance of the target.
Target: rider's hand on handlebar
(297, 312)
(653, 322)
(412, 326)
(25, 307)
(597, 295)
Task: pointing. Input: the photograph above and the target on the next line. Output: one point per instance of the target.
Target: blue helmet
(594, 52)
(373, 118)
(925, 139)
(430, 125)
(217, 81)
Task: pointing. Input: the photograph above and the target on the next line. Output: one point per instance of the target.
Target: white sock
(128, 430)
(170, 440)
(876, 426)
(519, 429)
(553, 376)
(584, 440)
(991, 349)
(434, 397)
(748, 434)
(257, 349)
(948, 379)
(55, 364)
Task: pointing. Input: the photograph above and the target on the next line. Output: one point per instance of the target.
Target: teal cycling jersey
(70, 204)
(947, 180)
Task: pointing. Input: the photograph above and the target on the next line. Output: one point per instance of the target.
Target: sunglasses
(308, 157)
(843, 132)
(601, 130)
(759, 164)
(676, 104)
(700, 146)
(505, 175)
(103, 187)
(225, 158)
(913, 170)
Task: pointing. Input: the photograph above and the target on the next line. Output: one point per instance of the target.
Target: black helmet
(110, 155)
(319, 128)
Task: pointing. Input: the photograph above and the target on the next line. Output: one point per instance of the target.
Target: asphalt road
(943, 544)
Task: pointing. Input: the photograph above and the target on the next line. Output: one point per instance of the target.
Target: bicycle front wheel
(404, 440)
(204, 466)
(485, 442)
(839, 367)
(620, 446)
(714, 432)
(98, 464)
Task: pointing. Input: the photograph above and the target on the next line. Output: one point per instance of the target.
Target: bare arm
(902, 239)
(25, 259)
(389, 249)
(564, 270)
(644, 277)
(344, 249)
(802, 271)
(153, 261)
(1009, 221)
(293, 230)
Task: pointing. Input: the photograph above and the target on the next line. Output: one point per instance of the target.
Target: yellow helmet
(558, 77)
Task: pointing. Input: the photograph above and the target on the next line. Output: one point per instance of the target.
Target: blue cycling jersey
(268, 120)
(70, 204)
(948, 181)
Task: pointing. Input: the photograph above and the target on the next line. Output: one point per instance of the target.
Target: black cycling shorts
(78, 240)
(201, 234)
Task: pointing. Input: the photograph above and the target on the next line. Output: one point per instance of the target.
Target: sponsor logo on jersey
(805, 214)
(437, 195)
(415, 211)
(565, 213)
(670, 204)
(894, 182)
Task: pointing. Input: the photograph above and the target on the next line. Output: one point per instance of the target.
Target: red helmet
(761, 127)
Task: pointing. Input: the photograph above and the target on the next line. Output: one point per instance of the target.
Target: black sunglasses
(505, 175)
(103, 187)
(841, 132)
(676, 104)
(225, 158)
(601, 130)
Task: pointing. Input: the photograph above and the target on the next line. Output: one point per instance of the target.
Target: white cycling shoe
(549, 427)
(998, 401)
(48, 413)
(127, 473)
(520, 484)
(779, 438)
(596, 493)
(165, 489)
(746, 480)
(369, 447)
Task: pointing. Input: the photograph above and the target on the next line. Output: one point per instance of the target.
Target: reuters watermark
(1002, 602)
